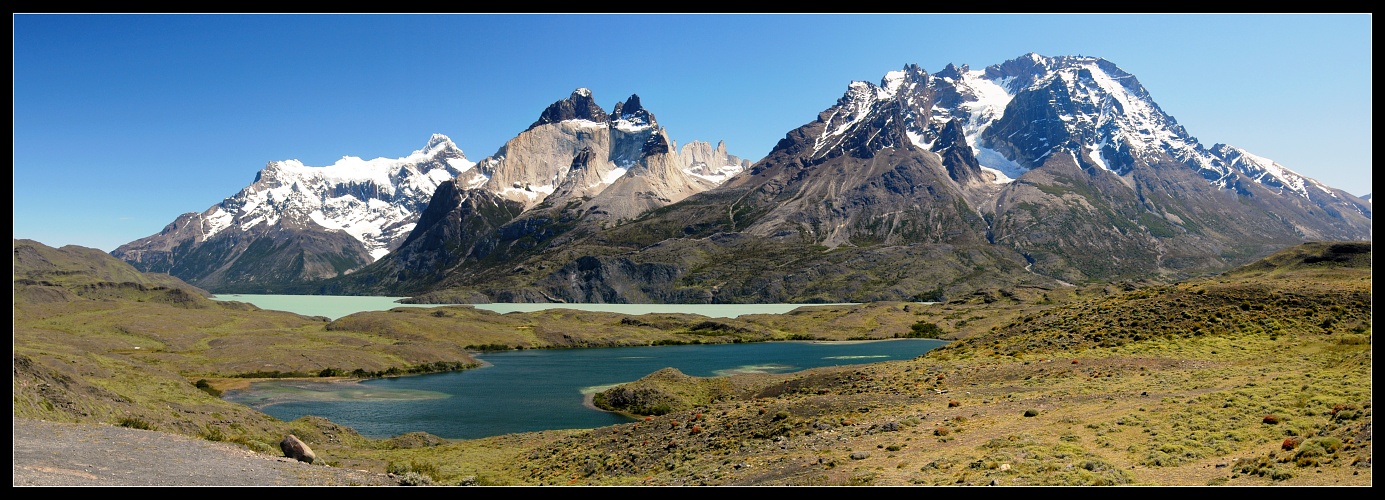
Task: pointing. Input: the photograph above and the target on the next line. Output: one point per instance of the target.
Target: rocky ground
(69, 454)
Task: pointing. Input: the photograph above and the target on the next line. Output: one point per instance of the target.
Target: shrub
(1344, 412)
(952, 403)
(1270, 419)
(1031, 413)
(1330, 444)
(1291, 442)
(206, 387)
(213, 434)
(924, 330)
(414, 479)
(415, 473)
(257, 446)
(136, 423)
(941, 431)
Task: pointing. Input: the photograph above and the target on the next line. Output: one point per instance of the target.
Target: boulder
(296, 449)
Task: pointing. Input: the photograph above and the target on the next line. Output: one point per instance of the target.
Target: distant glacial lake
(336, 306)
(540, 389)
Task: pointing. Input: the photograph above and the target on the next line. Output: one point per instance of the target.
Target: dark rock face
(262, 260)
(296, 449)
(957, 155)
(656, 145)
(578, 106)
(632, 111)
(582, 159)
(458, 225)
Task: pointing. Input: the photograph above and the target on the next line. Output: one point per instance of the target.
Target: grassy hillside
(1260, 376)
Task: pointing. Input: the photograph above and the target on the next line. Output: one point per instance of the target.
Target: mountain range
(1037, 172)
(297, 223)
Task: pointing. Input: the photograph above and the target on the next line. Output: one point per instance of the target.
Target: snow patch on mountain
(1006, 170)
(611, 176)
(987, 102)
(375, 201)
(1267, 172)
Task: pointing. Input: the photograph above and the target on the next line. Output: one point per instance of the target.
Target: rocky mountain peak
(950, 137)
(341, 216)
(439, 143)
(631, 114)
(952, 71)
(578, 106)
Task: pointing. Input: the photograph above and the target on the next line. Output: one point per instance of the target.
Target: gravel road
(67, 454)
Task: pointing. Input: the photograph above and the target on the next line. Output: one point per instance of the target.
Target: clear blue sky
(123, 122)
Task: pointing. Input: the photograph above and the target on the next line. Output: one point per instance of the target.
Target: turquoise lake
(337, 306)
(540, 389)
(534, 389)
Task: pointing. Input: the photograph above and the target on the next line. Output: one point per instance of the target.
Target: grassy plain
(1259, 376)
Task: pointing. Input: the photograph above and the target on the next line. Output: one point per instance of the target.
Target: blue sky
(123, 122)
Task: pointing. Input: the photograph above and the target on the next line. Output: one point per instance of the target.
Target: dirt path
(67, 454)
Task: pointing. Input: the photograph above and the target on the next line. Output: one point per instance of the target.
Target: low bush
(924, 330)
(136, 423)
(414, 473)
(206, 387)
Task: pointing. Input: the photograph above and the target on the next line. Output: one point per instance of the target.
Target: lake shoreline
(337, 306)
(536, 389)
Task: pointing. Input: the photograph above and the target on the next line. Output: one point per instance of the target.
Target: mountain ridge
(1073, 174)
(1038, 170)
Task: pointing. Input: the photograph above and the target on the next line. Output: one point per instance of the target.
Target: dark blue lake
(533, 390)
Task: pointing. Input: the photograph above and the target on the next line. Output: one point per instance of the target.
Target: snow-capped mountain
(297, 223)
(576, 149)
(357, 211)
(1037, 171)
(1017, 113)
(576, 166)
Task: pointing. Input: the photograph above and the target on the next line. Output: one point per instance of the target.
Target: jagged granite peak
(541, 161)
(551, 183)
(660, 178)
(630, 114)
(578, 106)
(354, 210)
(713, 164)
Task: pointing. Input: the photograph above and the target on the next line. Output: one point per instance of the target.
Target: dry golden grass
(1257, 377)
